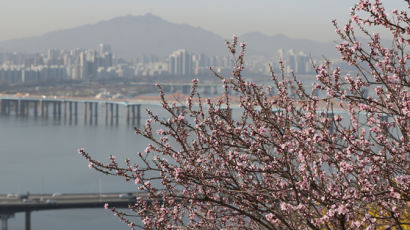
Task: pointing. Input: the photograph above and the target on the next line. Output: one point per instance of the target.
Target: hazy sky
(295, 18)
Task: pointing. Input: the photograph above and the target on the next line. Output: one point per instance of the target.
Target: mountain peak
(146, 18)
(262, 35)
(151, 17)
(148, 15)
(148, 34)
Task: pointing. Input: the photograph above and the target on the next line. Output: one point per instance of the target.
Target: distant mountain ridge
(261, 44)
(131, 36)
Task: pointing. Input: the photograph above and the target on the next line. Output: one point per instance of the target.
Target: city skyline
(90, 64)
(298, 19)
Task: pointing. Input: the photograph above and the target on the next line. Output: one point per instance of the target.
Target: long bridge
(67, 108)
(27, 203)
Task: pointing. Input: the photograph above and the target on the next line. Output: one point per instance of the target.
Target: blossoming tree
(294, 160)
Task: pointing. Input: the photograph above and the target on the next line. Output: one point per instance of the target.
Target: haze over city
(296, 18)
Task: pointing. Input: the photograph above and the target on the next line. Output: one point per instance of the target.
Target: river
(40, 156)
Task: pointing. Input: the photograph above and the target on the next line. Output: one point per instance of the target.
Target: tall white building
(302, 62)
(83, 66)
(103, 48)
(180, 63)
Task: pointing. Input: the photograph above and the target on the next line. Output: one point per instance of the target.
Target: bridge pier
(116, 114)
(28, 220)
(2, 107)
(16, 107)
(54, 110)
(133, 114)
(112, 113)
(35, 109)
(75, 112)
(70, 111)
(20, 109)
(26, 108)
(7, 108)
(127, 114)
(23, 108)
(45, 107)
(138, 115)
(96, 113)
(64, 111)
(5, 216)
(4, 222)
(59, 110)
(41, 109)
(109, 113)
(4, 219)
(85, 112)
(106, 113)
(90, 104)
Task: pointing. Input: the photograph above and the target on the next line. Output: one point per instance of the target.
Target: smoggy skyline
(297, 18)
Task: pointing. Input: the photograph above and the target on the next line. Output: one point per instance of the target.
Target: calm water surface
(40, 156)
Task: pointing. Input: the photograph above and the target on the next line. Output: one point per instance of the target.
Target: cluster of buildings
(88, 64)
(54, 65)
(297, 62)
(181, 63)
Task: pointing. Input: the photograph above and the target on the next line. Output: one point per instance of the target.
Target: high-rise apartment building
(180, 63)
(103, 48)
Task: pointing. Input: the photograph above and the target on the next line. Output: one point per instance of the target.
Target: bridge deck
(10, 204)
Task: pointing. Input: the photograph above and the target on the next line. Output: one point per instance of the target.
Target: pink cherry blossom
(288, 161)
